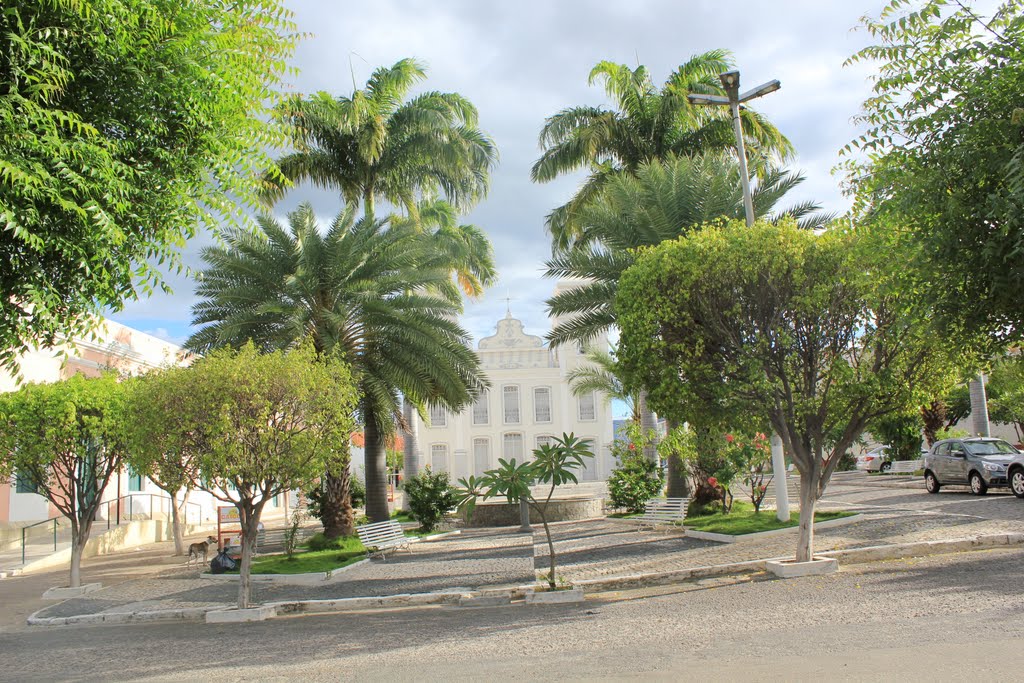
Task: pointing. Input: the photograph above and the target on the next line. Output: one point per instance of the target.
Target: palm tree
(380, 294)
(599, 375)
(644, 124)
(377, 143)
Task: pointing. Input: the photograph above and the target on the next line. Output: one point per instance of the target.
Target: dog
(197, 549)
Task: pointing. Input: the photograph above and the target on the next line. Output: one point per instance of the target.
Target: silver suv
(1015, 473)
(979, 462)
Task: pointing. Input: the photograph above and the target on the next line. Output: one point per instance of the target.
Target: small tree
(749, 461)
(263, 424)
(637, 478)
(553, 465)
(164, 446)
(813, 331)
(67, 438)
(902, 432)
(429, 495)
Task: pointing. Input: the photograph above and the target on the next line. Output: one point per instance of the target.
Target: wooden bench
(380, 537)
(660, 511)
(906, 466)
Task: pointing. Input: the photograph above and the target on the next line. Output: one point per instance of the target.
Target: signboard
(229, 527)
(228, 515)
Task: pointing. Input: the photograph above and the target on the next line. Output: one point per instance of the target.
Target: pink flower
(760, 436)
(730, 438)
(632, 446)
(764, 487)
(712, 482)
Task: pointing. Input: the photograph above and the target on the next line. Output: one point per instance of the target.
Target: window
(481, 415)
(438, 416)
(439, 457)
(588, 407)
(589, 471)
(542, 404)
(481, 455)
(23, 483)
(134, 480)
(510, 395)
(513, 446)
(545, 441)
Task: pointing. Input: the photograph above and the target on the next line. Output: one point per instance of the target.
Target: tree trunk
(179, 541)
(934, 416)
(250, 527)
(76, 559)
(411, 454)
(649, 424)
(678, 483)
(808, 499)
(376, 470)
(336, 505)
(551, 549)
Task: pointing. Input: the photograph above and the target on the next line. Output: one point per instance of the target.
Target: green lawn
(624, 515)
(402, 516)
(743, 520)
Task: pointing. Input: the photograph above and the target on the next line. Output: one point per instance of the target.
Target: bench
(906, 466)
(380, 537)
(660, 511)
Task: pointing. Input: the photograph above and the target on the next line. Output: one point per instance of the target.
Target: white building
(529, 403)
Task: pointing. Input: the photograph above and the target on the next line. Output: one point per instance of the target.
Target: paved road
(940, 618)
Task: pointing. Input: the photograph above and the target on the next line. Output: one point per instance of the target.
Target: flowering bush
(749, 462)
(637, 478)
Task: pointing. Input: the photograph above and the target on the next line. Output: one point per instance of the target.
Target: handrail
(55, 521)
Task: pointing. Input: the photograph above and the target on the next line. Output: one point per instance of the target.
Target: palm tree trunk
(376, 468)
(411, 456)
(649, 423)
(336, 505)
(368, 204)
(678, 483)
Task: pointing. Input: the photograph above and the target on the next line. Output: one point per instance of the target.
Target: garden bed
(743, 520)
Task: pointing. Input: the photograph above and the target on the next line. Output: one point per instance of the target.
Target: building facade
(529, 403)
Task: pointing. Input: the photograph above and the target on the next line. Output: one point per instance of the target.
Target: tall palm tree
(378, 142)
(645, 123)
(380, 294)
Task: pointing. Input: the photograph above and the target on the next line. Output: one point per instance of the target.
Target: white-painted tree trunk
(979, 406)
(779, 478)
(411, 451)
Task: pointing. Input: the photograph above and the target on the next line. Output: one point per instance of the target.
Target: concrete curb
(589, 586)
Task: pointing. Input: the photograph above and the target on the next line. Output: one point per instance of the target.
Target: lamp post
(733, 99)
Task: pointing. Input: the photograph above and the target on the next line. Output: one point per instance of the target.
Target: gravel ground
(936, 619)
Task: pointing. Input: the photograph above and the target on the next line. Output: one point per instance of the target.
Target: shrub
(429, 496)
(636, 480)
(319, 542)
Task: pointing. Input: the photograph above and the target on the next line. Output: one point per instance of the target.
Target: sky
(520, 62)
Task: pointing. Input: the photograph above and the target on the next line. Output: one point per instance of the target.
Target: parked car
(981, 463)
(875, 460)
(1015, 473)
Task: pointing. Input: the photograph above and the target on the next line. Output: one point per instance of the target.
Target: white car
(876, 460)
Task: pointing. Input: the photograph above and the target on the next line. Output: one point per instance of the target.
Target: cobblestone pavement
(585, 550)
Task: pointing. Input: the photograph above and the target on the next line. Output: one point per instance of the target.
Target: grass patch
(420, 532)
(402, 516)
(743, 520)
(624, 515)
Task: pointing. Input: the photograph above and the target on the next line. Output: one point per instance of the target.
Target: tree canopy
(124, 125)
(943, 153)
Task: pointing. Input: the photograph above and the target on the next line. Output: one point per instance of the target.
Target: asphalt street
(940, 618)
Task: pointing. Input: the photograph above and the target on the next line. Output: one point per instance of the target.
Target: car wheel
(931, 483)
(885, 467)
(1017, 483)
(978, 486)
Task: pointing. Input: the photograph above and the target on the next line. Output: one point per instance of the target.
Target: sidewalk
(586, 550)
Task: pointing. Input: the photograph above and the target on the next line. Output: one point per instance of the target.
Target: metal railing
(114, 516)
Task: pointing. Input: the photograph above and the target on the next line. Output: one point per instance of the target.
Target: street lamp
(733, 99)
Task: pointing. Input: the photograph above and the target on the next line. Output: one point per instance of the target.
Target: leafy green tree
(637, 478)
(68, 438)
(644, 124)
(118, 138)
(380, 295)
(429, 497)
(772, 320)
(552, 465)
(1006, 393)
(901, 431)
(378, 142)
(943, 153)
(162, 448)
(263, 424)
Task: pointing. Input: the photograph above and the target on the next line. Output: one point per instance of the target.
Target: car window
(956, 448)
(942, 449)
(990, 448)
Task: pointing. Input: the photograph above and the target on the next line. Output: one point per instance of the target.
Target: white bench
(380, 537)
(906, 466)
(659, 511)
